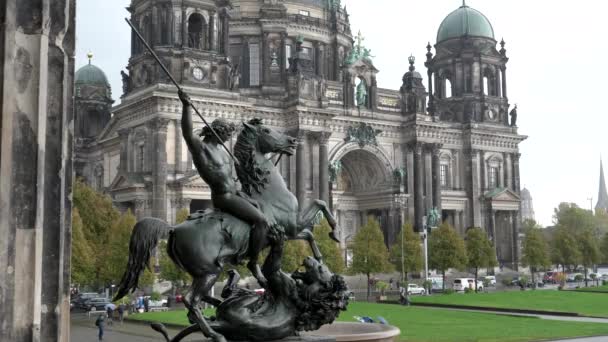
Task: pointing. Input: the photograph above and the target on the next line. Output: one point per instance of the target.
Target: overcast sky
(556, 74)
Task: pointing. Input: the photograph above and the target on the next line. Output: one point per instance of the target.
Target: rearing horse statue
(207, 241)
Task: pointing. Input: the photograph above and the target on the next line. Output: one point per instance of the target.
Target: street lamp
(429, 222)
(346, 249)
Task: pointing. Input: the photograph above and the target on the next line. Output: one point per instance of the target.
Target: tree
(590, 250)
(370, 255)
(83, 259)
(565, 249)
(182, 215)
(332, 255)
(480, 252)
(573, 218)
(604, 248)
(408, 246)
(446, 250)
(535, 252)
(116, 253)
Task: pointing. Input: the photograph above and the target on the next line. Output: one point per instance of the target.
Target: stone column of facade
(503, 73)
(492, 231)
(324, 166)
(301, 167)
(212, 32)
(456, 169)
(515, 161)
(179, 163)
(508, 171)
(436, 151)
(409, 164)
(159, 168)
(428, 178)
(184, 27)
(283, 55)
(475, 189)
(37, 54)
(226, 31)
(418, 186)
(431, 108)
(265, 57)
(320, 59)
(131, 147)
(123, 135)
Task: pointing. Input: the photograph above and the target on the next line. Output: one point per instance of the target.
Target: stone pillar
(428, 178)
(436, 151)
(418, 186)
(225, 32)
(475, 189)
(456, 174)
(508, 171)
(36, 135)
(179, 163)
(409, 164)
(265, 58)
(283, 55)
(515, 161)
(492, 231)
(123, 135)
(319, 59)
(212, 32)
(324, 166)
(431, 108)
(159, 168)
(301, 167)
(184, 27)
(503, 73)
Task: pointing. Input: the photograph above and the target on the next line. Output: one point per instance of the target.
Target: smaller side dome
(465, 21)
(91, 75)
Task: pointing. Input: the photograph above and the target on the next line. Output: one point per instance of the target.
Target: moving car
(95, 304)
(415, 289)
(490, 279)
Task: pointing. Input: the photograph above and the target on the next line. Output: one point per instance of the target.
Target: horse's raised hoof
(218, 338)
(333, 236)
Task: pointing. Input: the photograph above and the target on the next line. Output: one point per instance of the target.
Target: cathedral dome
(91, 75)
(465, 21)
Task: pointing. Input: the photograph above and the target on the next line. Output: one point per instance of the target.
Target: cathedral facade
(393, 154)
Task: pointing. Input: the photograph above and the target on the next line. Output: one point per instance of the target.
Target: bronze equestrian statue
(207, 241)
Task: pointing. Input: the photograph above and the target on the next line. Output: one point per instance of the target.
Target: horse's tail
(144, 239)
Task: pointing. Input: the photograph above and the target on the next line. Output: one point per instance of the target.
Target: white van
(460, 284)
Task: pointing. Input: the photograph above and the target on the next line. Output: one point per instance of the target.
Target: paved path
(548, 317)
(84, 330)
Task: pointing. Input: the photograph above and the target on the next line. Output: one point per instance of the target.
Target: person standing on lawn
(100, 323)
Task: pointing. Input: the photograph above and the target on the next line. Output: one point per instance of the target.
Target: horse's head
(269, 140)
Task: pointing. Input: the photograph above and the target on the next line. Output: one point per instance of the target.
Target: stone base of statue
(306, 338)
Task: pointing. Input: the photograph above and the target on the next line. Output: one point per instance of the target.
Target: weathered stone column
(436, 151)
(184, 27)
(409, 165)
(123, 135)
(225, 32)
(301, 167)
(159, 167)
(212, 32)
(515, 161)
(475, 188)
(36, 135)
(179, 162)
(428, 178)
(503, 71)
(418, 186)
(324, 166)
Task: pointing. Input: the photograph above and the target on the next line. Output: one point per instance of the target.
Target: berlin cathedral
(393, 154)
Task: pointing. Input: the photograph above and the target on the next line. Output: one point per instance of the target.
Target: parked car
(94, 304)
(491, 280)
(157, 303)
(572, 277)
(551, 277)
(460, 284)
(415, 289)
(79, 300)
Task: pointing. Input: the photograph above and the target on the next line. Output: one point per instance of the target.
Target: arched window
(448, 88)
(196, 31)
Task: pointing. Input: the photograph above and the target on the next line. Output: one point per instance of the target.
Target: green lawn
(429, 324)
(590, 304)
(593, 289)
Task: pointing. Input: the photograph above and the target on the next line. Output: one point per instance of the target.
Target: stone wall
(36, 168)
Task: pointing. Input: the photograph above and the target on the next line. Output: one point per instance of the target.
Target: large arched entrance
(363, 187)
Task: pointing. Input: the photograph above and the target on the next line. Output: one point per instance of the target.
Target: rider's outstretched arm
(192, 140)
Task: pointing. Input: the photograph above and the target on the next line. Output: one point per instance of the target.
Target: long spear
(179, 88)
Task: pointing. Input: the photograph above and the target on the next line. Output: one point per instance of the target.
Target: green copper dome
(465, 21)
(90, 74)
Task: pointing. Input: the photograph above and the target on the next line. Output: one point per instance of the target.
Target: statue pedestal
(304, 338)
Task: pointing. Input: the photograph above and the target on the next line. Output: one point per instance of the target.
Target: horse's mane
(248, 170)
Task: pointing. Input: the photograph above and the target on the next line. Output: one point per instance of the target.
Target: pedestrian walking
(121, 312)
(110, 312)
(146, 304)
(100, 323)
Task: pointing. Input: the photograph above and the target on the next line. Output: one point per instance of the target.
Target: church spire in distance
(602, 197)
